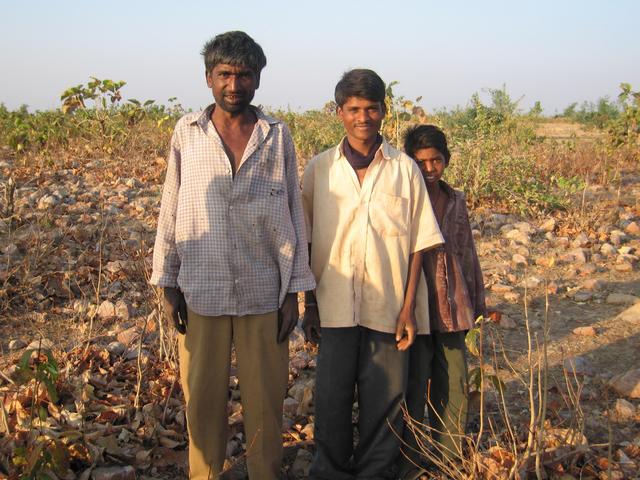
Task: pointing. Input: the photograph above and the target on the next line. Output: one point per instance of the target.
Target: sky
(553, 51)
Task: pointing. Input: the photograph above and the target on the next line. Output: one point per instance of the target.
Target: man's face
(233, 86)
(432, 164)
(361, 118)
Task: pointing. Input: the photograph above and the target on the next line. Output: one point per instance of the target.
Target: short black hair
(426, 136)
(234, 48)
(360, 82)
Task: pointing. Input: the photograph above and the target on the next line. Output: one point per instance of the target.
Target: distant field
(566, 130)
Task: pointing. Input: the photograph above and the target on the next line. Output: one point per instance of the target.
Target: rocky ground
(75, 247)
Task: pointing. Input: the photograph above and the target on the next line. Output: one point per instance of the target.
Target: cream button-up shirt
(362, 235)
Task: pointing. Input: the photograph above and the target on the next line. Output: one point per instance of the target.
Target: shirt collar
(384, 149)
(204, 117)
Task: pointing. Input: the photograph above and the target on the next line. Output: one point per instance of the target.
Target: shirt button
(230, 207)
(236, 281)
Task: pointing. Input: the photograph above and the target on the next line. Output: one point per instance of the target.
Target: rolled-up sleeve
(301, 276)
(166, 262)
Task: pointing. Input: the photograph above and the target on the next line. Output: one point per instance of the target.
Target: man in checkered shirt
(230, 255)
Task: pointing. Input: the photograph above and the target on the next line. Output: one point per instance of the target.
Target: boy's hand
(175, 308)
(405, 328)
(311, 324)
(287, 316)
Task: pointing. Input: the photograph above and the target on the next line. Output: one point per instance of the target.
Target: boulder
(631, 314)
(622, 299)
(627, 384)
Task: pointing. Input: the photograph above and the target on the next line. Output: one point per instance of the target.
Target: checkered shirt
(234, 245)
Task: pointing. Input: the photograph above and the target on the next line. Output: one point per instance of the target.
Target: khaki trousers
(205, 359)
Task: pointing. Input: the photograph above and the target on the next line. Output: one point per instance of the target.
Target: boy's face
(361, 118)
(432, 164)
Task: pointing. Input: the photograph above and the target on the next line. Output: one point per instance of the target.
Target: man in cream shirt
(369, 219)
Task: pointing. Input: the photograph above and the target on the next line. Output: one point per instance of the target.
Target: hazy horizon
(553, 52)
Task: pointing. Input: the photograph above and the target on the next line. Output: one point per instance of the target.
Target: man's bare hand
(287, 316)
(311, 324)
(406, 328)
(175, 308)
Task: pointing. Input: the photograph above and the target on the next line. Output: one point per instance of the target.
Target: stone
(518, 259)
(593, 284)
(562, 241)
(622, 299)
(623, 267)
(548, 225)
(123, 310)
(587, 269)
(48, 201)
(553, 288)
(518, 236)
(307, 431)
(532, 282)
(578, 365)
(43, 344)
(116, 348)
(296, 339)
(631, 315)
(617, 237)
(290, 406)
(582, 296)
(633, 228)
(106, 310)
(302, 464)
(585, 331)
(501, 288)
(580, 241)
(507, 322)
(524, 227)
(114, 473)
(128, 336)
(627, 384)
(17, 344)
(607, 249)
(116, 266)
(579, 255)
(547, 262)
(623, 410)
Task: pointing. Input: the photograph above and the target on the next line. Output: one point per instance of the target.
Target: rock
(300, 360)
(623, 410)
(296, 339)
(48, 201)
(17, 344)
(532, 282)
(607, 249)
(106, 310)
(622, 299)
(626, 250)
(633, 228)
(116, 348)
(233, 447)
(548, 225)
(546, 261)
(578, 365)
(518, 259)
(553, 288)
(593, 284)
(585, 331)
(562, 241)
(290, 406)
(577, 255)
(302, 464)
(617, 237)
(128, 336)
(114, 473)
(43, 344)
(631, 315)
(582, 296)
(507, 322)
(123, 310)
(524, 227)
(587, 269)
(116, 266)
(512, 297)
(501, 288)
(623, 267)
(581, 240)
(627, 384)
(518, 236)
(307, 431)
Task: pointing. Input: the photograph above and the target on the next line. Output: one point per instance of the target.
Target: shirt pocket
(389, 214)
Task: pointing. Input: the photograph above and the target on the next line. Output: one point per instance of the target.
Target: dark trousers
(437, 368)
(369, 360)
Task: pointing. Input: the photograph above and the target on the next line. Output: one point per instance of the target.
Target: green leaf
(471, 341)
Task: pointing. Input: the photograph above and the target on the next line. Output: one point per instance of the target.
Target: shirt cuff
(428, 242)
(164, 279)
(302, 284)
